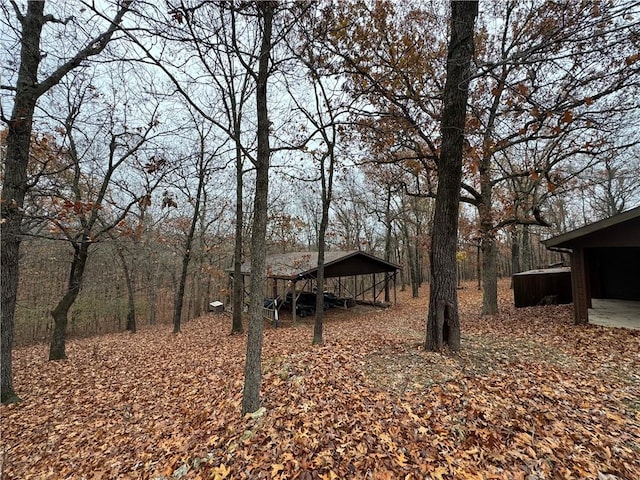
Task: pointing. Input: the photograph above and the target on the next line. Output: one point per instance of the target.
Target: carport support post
(374, 288)
(293, 301)
(387, 278)
(579, 287)
(395, 293)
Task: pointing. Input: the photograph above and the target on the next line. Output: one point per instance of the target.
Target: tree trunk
(526, 249)
(418, 255)
(327, 186)
(488, 248)
(238, 284)
(153, 303)
(57, 347)
(179, 296)
(199, 299)
(317, 325)
(9, 279)
(178, 301)
(411, 260)
(479, 266)
(413, 270)
(153, 278)
(131, 299)
(515, 252)
(15, 185)
(387, 241)
(253, 370)
(489, 276)
(186, 257)
(14, 188)
(443, 325)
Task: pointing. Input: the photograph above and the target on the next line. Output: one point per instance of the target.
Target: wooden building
(605, 260)
(355, 275)
(542, 287)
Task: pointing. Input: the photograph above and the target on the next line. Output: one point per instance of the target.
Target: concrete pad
(615, 313)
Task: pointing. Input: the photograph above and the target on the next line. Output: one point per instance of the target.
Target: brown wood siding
(530, 288)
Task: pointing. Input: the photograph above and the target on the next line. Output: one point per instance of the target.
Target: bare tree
(204, 169)
(27, 90)
(323, 112)
(206, 36)
(614, 185)
(558, 78)
(79, 214)
(443, 324)
(253, 369)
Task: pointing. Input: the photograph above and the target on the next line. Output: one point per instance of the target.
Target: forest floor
(529, 397)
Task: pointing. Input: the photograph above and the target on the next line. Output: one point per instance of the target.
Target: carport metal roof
(304, 265)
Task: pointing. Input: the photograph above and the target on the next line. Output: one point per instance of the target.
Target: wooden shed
(605, 260)
(541, 287)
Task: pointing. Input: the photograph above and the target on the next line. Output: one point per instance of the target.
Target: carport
(605, 263)
(354, 275)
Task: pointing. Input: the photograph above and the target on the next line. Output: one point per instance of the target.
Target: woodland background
(150, 148)
(156, 136)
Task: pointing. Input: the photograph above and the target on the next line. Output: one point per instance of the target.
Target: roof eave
(564, 240)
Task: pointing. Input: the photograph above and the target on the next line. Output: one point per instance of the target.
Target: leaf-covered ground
(530, 397)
